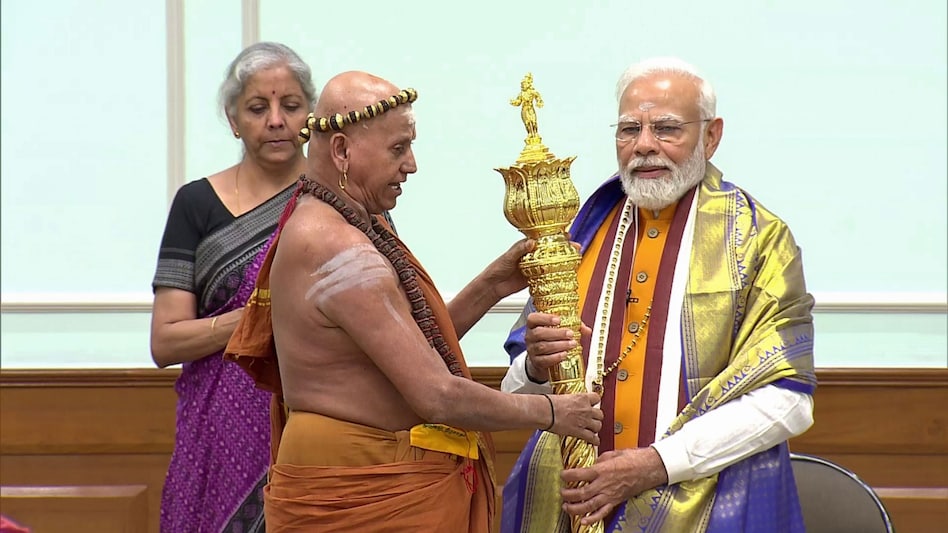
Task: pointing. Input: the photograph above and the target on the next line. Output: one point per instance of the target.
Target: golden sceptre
(541, 201)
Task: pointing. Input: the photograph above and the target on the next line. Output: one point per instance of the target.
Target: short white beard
(661, 192)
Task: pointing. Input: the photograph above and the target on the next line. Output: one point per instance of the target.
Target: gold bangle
(213, 323)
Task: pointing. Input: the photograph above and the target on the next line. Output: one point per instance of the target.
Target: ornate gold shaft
(541, 201)
(551, 273)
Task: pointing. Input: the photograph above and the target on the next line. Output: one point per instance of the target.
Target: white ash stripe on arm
(359, 265)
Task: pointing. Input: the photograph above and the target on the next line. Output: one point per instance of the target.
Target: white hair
(707, 101)
(259, 57)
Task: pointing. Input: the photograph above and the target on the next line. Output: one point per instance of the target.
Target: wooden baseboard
(78, 509)
(115, 428)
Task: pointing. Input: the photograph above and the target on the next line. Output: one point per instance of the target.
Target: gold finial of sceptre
(528, 97)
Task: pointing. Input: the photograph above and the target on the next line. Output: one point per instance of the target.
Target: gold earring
(236, 134)
(344, 180)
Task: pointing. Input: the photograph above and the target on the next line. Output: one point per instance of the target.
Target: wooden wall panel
(916, 509)
(116, 428)
(78, 509)
(88, 428)
(879, 404)
(87, 411)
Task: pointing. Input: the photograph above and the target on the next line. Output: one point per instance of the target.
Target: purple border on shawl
(222, 434)
(761, 496)
(515, 345)
(515, 490)
(796, 386)
(594, 211)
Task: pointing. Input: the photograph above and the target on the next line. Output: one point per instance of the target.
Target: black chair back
(833, 499)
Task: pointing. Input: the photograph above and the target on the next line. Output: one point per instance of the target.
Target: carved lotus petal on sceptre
(540, 198)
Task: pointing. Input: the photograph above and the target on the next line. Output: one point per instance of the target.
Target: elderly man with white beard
(697, 333)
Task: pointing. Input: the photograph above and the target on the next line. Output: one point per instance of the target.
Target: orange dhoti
(332, 475)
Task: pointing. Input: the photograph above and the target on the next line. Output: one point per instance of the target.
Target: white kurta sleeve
(749, 424)
(516, 379)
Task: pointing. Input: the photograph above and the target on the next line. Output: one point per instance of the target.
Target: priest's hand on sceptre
(576, 415)
(503, 276)
(547, 344)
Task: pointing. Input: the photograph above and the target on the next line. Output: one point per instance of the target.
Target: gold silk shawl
(745, 322)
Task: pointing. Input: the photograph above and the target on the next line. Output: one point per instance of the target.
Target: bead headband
(338, 121)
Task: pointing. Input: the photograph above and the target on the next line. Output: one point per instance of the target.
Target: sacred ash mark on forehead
(663, 84)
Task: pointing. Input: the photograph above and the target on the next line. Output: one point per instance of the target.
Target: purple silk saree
(222, 439)
(222, 442)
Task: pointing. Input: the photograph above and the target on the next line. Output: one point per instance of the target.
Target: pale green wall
(835, 118)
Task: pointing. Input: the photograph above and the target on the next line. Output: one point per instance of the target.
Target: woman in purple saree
(218, 231)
